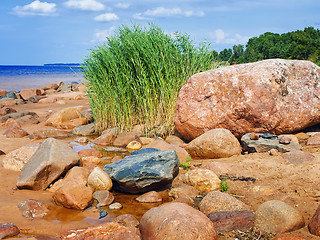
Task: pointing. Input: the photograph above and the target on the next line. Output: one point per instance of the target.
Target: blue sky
(34, 32)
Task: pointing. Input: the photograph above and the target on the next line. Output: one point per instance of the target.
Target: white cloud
(106, 17)
(139, 16)
(91, 5)
(123, 5)
(100, 35)
(168, 12)
(221, 37)
(36, 8)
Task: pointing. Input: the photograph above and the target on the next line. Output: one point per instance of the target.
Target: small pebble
(285, 140)
(274, 152)
(254, 136)
(115, 206)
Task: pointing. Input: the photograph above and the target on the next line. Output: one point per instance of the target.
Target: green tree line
(302, 45)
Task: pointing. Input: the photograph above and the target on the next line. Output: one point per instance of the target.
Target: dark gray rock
(52, 159)
(265, 143)
(11, 94)
(144, 170)
(84, 130)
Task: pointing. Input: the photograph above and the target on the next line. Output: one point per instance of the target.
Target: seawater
(14, 78)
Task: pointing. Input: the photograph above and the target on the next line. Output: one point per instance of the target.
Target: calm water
(14, 78)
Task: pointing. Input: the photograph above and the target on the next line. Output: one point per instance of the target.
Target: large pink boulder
(276, 96)
(176, 220)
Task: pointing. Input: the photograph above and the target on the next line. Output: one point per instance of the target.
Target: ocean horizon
(17, 77)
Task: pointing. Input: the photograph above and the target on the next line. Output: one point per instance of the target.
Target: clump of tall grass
(135, 76)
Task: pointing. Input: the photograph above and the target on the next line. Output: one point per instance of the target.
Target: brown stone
(314, 140)
(274, 152)
(73, 196)
(107, 231)
(28, 119)
(8, 230)
(134, 145)
(105, 139)
(176, 220)
(314, 225)
(254, 136)
(89, 153)
(285, 140)
(302, 136)
(71, 124)
(216, 143)
(123, 139)
(277, 217)
(162, 145)
(127, 220)
(25, 94)
(174, 140)
(146, 140)
(150, 197)
(116, 159)
(297, 157)
(99, 180)
(227, 221)
(53, 86)
(64, 115)
(185, 199)
(6, 110)
(276, 96)
(104, 198)
(15, 132)
(220, 201)
(184, 190)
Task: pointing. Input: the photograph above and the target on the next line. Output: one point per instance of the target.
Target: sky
(35, 32)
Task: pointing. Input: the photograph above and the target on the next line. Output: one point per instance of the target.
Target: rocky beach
(245, 171)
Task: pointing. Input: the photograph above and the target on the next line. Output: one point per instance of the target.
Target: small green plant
(186, 165)
(224, 185)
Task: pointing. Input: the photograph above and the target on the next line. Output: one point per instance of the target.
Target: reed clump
(135, 76)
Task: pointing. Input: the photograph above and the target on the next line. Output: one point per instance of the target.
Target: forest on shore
(300, 44)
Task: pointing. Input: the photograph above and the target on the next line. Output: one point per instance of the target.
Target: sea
(15, 78)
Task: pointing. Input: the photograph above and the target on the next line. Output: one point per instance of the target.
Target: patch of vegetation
(187, 164)
(135, 76)
(224, 185)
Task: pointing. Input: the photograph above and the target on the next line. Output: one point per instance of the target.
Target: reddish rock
(127, 220)
(297, 157)
(276, 96)
(8, 230)
(285, 140)
(33, 208)
(123, 139)
(25, 94)
(3, 92)
(6, 110)
(64, 115)
(53, 86)
(105, 139)
(185, 199)
(314, 225)
(227, 221)
(107, 231)
(172, 221)
(216, 143)
(73, 196)
(162, 145)
(71, 124)
(116, 159)
(15, 132)
(150, 197)
(89, 153)
(314, 140)
(277, 217)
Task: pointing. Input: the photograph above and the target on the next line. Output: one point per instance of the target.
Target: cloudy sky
(34, 32)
